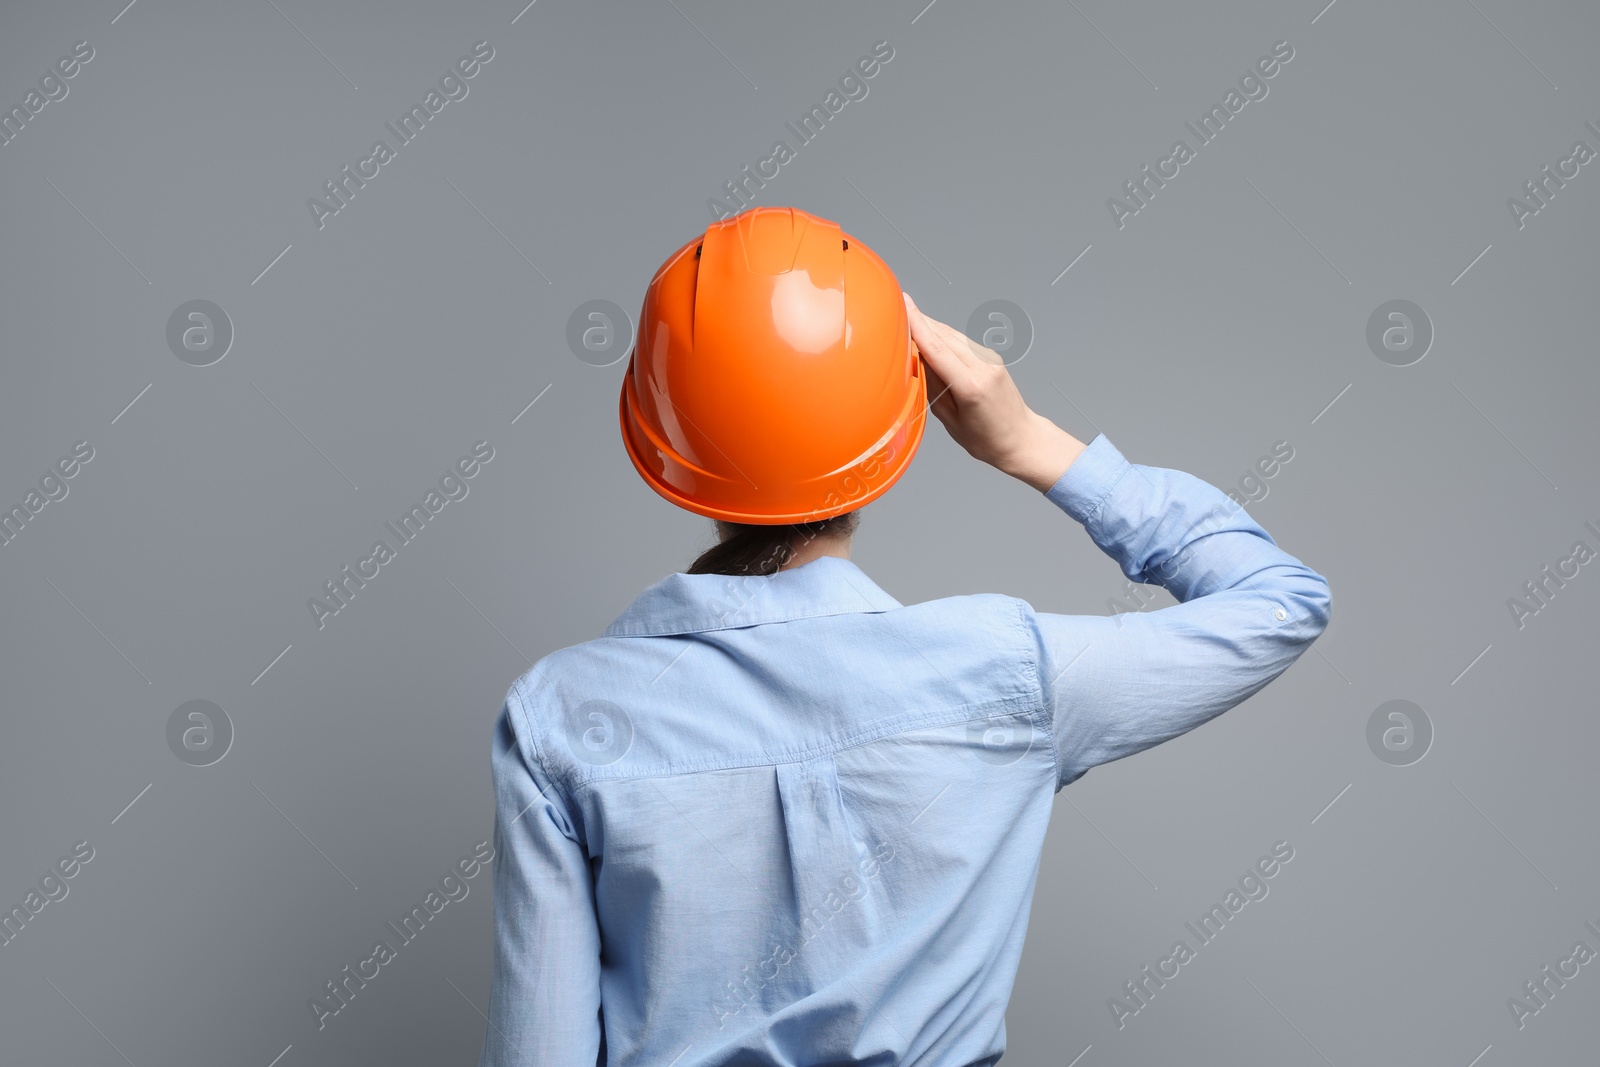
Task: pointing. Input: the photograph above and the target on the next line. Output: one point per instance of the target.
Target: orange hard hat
(774, 379)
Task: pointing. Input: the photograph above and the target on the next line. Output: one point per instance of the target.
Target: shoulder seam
(531, 731)
(1046, 717)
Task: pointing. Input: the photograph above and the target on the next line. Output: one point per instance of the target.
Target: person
(775, 816)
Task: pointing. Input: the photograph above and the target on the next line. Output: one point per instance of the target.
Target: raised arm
(1114, 685)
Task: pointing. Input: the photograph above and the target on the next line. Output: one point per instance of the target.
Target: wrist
(1044, 455)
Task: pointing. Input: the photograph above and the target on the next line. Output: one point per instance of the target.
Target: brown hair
(748, 549)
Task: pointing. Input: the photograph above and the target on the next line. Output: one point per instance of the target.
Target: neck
(807, 550)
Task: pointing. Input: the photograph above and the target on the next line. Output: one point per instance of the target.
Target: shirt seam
(1045, 723)
(1099, 503)
(761, 621)
(887, 728)
(531, 731)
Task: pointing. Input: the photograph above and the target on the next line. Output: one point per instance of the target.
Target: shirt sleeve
(544, 998)
(1117, 684)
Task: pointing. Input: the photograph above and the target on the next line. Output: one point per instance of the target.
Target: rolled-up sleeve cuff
(1086, 484)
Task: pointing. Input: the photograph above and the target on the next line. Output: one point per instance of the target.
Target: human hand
(972, 393)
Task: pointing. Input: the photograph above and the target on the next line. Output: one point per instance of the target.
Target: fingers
(969, 389)
(940, 402)
(944, 360)
(947, 357)
(962, 343)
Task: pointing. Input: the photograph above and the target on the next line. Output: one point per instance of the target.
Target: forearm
(1170, 528)
(1121, 683)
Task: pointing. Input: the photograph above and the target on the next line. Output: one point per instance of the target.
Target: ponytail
(747, 549)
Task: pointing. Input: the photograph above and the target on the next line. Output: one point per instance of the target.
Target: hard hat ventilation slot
(697, 251)
(846, 244)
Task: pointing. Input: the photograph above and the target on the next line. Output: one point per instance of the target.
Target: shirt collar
(689, 603)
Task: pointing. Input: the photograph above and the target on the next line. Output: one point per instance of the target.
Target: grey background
(1229, 314)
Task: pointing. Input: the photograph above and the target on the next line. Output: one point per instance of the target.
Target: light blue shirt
(788, 820)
